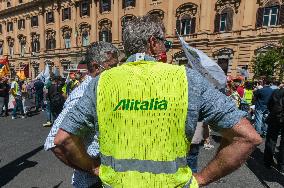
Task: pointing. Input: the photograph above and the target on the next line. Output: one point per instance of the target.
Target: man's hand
(236, 146)
(71, 151)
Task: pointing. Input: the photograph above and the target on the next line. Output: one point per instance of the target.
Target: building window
(128, 3)
(34, 21)
(67, 38)
(20, 1)
(22, 48)
(35, 43)
(1, 47)
(11, 46)
(186, 25)
(270, 16)
(85, 38)
(10, 26)
(85, 8)
(224, 20)
(66, 14)
(105, 30)
(49, 17)
(8, 4)
(50, 40)
(105, 5)
(21, 24)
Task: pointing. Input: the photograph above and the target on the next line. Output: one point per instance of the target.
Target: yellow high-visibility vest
(142, 108)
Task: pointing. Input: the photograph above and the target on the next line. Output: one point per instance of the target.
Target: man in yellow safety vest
(145, 113)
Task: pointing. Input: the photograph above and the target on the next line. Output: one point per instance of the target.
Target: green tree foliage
(271, 63)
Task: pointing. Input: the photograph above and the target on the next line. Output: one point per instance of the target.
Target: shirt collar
(145, 57)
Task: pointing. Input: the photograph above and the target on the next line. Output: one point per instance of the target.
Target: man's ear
(153, 45)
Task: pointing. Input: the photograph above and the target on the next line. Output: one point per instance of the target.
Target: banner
(4, 67)
(208, 68)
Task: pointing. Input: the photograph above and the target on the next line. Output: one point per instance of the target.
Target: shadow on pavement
(255, 164)
(11, 170)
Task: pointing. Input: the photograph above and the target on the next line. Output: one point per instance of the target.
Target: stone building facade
(56, 32)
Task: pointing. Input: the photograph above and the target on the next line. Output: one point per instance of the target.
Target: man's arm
(71, 151)
(239, 138)
(70, 148)
(236, 146)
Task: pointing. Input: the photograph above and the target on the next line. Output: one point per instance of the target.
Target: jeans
(39, 100)
(260, 125)
(4, 101)
(192, 158)
(49, 116)
(18, 106)
(274, 128)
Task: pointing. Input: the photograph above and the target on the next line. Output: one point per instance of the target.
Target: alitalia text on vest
(152, 104)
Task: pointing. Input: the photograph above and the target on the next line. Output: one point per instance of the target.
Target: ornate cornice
(188, 8)
(263, 3)
(221, 4)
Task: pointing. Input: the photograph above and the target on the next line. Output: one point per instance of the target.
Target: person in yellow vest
(145, 113)
(16, 91)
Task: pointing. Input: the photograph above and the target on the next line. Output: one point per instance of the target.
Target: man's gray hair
(100, 52)
(137, 32)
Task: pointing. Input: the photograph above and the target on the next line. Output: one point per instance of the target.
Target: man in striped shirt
(99, 56)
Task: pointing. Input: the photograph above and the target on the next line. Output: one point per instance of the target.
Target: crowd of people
(127, 126)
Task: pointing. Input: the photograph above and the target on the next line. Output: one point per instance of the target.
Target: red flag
(4, 61)
(26, 71)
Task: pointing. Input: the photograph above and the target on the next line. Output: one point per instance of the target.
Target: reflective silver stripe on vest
(187, 185)
(154, 167)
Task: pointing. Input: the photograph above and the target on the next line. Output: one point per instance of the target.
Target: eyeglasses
(168, 44)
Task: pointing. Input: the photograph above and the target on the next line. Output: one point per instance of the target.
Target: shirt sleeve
(214, 108)
(83, 114)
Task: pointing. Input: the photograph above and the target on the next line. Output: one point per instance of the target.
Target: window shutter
(62, 14)
(89, 7)
(193, 25)
(109, 36)
(81, 9)
(19, 25)
(123, 3)
(100, 36)
(109, 7)
(134, 3)
(230, 15)
(101, 6)
(69, 13)
(46, 17)
(259, 17)
(217, 22)
(24, 24)
(178, 26)
(281, 15)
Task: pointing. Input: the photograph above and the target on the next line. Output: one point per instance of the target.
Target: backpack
(56, 98)
(276, 106)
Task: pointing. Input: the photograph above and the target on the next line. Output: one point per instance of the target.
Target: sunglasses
(168, 44)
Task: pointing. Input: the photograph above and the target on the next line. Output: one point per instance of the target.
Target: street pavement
(24, 163)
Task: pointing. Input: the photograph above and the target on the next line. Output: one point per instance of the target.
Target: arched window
(224, 58)
(66, 34)
(124, 21)
(22, 41)
(224, 20)
(158, 13)
(35, 44)
(270, 14)
(11, 46)
(105, 30)
(128, 3)
(186, 20)
(50, 40)
(85, 29)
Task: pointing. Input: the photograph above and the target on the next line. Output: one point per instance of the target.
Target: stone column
(57, 26)
(5, 44)
(115, 30)
(74, 25)
(93, 32)
(28, 34)
(249, 14)
(205, 17)
(170, 18)
(141, 7)
(42, 32)
(16, 40)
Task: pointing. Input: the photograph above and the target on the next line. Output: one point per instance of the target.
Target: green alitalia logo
(132, 104)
